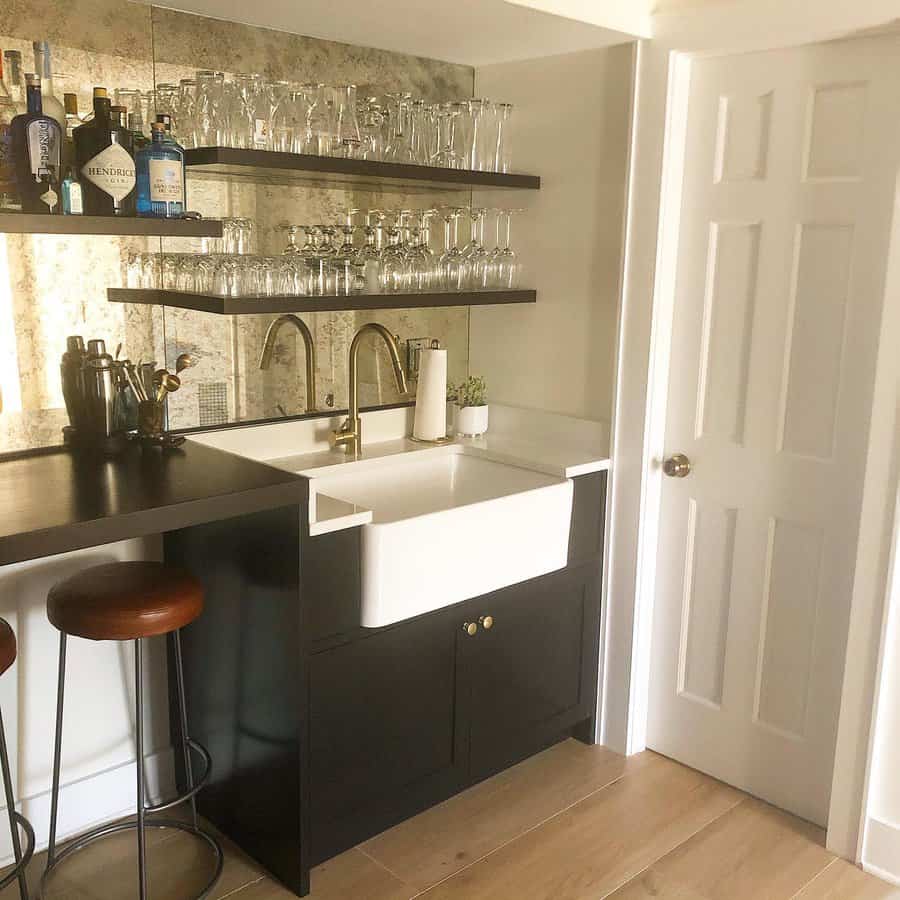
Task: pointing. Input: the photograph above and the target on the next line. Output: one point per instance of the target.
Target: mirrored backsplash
(54, 286)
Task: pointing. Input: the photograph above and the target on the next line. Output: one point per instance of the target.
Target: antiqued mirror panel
(54, 286)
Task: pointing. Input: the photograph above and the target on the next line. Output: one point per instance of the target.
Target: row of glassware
(248, 111)
(405, 263)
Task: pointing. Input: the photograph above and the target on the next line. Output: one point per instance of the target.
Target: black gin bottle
(105, 162)
(36, 149)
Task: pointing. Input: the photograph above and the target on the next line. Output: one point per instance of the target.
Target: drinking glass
(502, 157)
(165, 102)
(474, 255)
(289, 122)
(209, 98)
(398, 147)
(242, 109)
(509, 268)
(185, 121)
(346, 123)
(132, 100)
(320, 122)
(447, 155)
(453, 269)
(371, 120)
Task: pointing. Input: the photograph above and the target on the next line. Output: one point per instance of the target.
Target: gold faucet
(349, 435)
(269, 348)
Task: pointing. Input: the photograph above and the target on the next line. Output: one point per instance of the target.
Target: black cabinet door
(384, 735)
(532, 675)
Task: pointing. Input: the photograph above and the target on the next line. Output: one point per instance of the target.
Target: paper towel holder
(435, 344)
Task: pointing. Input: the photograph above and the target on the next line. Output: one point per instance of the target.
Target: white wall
(98, 772)
(571, 127)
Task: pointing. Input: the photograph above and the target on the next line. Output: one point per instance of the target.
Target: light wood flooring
(573, 823)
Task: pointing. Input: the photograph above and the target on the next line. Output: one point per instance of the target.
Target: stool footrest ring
(26, 855)
(195, 788)
(105, 830)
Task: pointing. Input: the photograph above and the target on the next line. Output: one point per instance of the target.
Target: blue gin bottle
(160, 177)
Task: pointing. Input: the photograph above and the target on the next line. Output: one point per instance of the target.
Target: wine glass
(453, 268)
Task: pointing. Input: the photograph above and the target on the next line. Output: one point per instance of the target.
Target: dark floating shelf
(243, 306)
(28, 223)
(282, 168)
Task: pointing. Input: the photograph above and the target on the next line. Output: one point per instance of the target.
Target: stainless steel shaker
(101, 419)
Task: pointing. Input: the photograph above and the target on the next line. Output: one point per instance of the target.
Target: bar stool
(130, 601)
(16, 819)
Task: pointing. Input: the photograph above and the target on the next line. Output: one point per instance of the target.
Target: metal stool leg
(139, 751)
(57, 749)
(182, 711)
(11, 809)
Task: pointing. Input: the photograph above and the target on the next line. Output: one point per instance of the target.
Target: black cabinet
(532, 674)
(403, 717)
(385, 734)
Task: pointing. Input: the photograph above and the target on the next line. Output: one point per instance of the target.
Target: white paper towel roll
(431, 396)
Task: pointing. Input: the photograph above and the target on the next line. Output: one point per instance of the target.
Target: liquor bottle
(136, 127)
(160, 177)
(73, 120)
(36, 146)
(103, 154)
(44, 67)
(12, 79)
(72, 194)
(9, 193)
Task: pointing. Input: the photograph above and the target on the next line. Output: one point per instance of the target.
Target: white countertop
(329, 514)
(550, 443)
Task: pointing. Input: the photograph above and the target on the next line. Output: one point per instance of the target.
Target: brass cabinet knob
(470, 628)
(677, 466)
(487, 622)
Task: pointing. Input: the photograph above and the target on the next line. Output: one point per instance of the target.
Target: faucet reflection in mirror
(268, 351)
(349, 435)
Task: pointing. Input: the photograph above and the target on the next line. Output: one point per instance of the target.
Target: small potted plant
(471, 407)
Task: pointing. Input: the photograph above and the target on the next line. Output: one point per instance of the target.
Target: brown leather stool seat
(7, 646)
(131, 601)
(124, 601)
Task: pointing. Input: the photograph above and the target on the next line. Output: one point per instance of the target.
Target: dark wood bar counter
(54, 502)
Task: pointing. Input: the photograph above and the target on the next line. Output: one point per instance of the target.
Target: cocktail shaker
(100, 391)
(71, 370)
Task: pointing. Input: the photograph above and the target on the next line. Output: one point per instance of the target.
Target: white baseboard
(881, 850)
(91, 801)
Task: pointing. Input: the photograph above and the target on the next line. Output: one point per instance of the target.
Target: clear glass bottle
(160, 177)
(9, 194)
(43, 65)
(37, 147)
(73, 120)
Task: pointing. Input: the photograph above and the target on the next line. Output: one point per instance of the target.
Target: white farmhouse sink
(447, 526)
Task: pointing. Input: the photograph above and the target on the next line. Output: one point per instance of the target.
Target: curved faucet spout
(265, 360)
(350, 434)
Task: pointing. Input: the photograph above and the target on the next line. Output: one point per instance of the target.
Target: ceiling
(472, 32)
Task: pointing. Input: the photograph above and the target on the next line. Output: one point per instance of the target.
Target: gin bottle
(36, 147)
(44, 67)
(103, 154)
(160, 177)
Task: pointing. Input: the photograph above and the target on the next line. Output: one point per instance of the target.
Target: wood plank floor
(573, 823)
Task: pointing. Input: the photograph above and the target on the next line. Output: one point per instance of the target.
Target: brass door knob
(470, 628)
(677, 466)
(486, 622)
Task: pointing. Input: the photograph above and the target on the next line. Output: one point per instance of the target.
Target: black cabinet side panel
(588, 518)
(246, 675)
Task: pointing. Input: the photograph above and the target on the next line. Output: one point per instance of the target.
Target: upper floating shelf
(244, 306)
(282, 168)
(28, 223)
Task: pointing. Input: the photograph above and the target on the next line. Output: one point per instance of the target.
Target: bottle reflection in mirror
(380, 251)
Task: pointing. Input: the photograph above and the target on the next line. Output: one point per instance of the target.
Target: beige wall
(571, 126)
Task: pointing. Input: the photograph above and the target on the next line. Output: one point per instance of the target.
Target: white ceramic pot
(471, 421)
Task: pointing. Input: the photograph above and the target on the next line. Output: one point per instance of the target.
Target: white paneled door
(788, 193)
